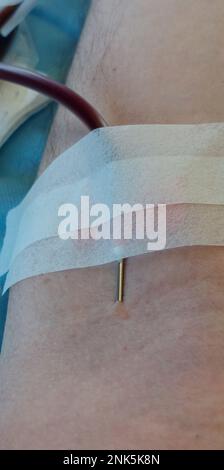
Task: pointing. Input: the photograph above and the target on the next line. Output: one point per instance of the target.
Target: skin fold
(77, 370)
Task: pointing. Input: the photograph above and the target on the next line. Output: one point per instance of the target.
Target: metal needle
(120, 293)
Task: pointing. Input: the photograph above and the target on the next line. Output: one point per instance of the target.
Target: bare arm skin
(76, 370)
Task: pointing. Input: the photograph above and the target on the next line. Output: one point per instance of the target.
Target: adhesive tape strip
(134, 164)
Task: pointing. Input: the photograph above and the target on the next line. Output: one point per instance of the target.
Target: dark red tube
(55, 90)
